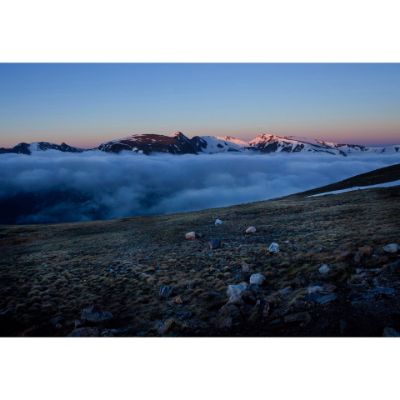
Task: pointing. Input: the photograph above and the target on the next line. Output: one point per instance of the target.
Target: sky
(86, 104)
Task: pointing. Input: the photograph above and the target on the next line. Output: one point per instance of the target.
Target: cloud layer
(54, 187)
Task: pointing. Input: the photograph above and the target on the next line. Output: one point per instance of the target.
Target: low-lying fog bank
(56, 187)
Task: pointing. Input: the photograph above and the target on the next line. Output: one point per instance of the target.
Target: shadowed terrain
(140, 277)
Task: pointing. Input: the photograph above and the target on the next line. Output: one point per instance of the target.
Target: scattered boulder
(214, 244)
(258, 312)
(273, 247)
(248, 297)
(165, 291)
(78, 323)
(324, 269)
(166, 326)
(343, 255)
(357, 257)
(365, 251)
(391, 248)
(382, 291)
(390, 332)
(190, 236)
(315, 289)
(326, 299)
(57, 321)
(245, 267)
(329, 288)
(265, 310)
(257, 279)
(85, 332)
(234, 292)
(285, 291)
(178, 300)
(229, 316)
(218, 222)
(251, 229)
(214, 299)
(394, 266)
(302, 317)
(95, 315)
(111, 332)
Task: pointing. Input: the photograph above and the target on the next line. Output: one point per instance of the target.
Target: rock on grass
(95, 315)
(85, 332)
(166, 291)
(324, 269)
(234, 292)
(273, 247)
(257, 279)
(250, 230)
(390, 332)
(190, 236)
(214, 244)
(391, 248)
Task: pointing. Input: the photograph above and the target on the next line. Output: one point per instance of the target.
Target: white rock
(190, 236)
(257, 279)
(273, 247)
(324, 269)
(315, 289)
(245, 267)
(251, 229)
(285, 291)
(218, 222)
(390, 332)
(391, 248)
(234, 292)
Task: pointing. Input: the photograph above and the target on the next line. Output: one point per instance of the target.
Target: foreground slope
(154, 282)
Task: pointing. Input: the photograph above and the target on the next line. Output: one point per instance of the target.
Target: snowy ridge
(220, 145)
(231, 139)
(178, 143)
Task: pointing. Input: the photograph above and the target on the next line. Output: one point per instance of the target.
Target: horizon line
(222, 137)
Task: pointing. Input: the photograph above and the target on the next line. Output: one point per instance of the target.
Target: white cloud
(52, 186)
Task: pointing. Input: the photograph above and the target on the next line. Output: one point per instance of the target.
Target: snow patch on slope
(351, 189)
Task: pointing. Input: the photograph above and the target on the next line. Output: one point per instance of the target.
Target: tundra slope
(156, 283)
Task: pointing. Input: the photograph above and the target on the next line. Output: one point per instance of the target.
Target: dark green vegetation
(49, 273)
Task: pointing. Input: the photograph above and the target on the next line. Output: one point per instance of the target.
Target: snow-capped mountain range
(178, 143)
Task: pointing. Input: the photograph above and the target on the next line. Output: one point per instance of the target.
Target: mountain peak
(177, 134)
(178, 143)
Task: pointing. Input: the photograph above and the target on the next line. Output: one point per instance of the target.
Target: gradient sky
(86, 104)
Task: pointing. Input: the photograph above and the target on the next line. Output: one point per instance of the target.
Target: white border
(192, 31)
(199, 369)
(199, 31)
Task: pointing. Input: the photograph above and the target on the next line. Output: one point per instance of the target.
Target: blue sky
(85, 104)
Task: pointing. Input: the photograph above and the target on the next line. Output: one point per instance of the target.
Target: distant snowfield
(352, 189)
(51, 186)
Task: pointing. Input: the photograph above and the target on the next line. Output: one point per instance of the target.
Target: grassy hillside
(381, 175)
(154, 282)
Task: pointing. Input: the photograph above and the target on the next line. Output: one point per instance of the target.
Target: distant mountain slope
(268, 143)
(149, 143)
(178, 143)
(381, 175)
(265, 143)
(29, 148)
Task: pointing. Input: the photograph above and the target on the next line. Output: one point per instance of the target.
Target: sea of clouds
(54, 187)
